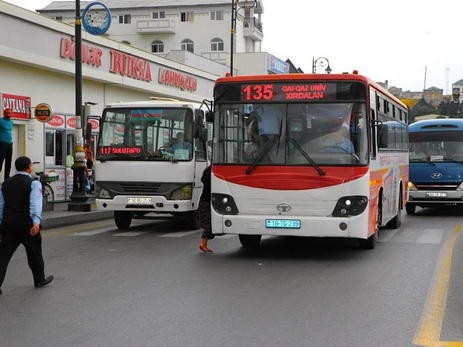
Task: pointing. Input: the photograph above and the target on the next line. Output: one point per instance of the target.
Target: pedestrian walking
(20, 216)
(6, 141)
(205, 211)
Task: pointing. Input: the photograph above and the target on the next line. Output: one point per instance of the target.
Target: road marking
(180, 233)
(430, 326)
(431, 236)
(130, 233)
(92, 232)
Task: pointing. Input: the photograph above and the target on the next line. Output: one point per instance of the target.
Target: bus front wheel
(123, 219)
(250, 241)
(370, 242)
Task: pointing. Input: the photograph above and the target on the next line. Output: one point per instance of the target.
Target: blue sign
(96, 18)
(276, 65)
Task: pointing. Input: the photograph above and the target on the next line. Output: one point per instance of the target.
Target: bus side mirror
(383, 135)
(209, 116)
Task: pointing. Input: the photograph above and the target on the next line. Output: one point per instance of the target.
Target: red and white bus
(307, 155)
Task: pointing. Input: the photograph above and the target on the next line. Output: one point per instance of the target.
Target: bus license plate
(283, 223)
(436, 194)
(139, 201)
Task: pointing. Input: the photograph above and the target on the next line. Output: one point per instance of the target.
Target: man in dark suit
(20, 216)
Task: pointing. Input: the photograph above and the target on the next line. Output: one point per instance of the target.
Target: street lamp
(79, 195)
(321, 63)
(234, 15)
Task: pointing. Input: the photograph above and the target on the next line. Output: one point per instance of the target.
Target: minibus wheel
(410, 208)
(123, 219)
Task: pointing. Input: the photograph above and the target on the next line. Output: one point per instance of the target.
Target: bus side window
(373, 134)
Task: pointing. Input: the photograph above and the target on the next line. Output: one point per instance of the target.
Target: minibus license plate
(436, 194)
(283, 223)
(139, 201)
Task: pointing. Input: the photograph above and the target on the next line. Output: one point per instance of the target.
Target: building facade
(162, 26)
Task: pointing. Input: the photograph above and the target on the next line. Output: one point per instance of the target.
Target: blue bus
(436, 163)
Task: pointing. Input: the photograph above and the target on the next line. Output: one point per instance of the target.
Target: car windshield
(291, 134)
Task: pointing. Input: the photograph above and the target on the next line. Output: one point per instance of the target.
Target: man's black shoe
(46, 281)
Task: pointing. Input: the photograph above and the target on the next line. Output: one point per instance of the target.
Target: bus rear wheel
(123, 219)
(250, 241)
(395, 222)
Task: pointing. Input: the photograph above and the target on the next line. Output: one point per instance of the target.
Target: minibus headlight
(183, 193)
(223, 204)
(102, 193)
(411, 186)
(350, 206)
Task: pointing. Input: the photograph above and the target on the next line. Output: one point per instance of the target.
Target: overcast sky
(409, 43)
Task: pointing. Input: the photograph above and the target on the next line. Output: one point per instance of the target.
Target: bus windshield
(291, 134)
(160, 134)
(436, 146)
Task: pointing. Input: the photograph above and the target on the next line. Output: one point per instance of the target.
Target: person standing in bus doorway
(6, 141)
(20, 216)
(205, 211)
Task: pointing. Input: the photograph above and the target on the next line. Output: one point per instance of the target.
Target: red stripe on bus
(288, 177)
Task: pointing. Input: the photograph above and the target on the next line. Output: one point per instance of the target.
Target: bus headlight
(223, 204)
(183, 193)
(350, 206)
(411, 186)
(102, 193)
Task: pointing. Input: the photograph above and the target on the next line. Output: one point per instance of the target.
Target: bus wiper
(261, 155)
(307, 157)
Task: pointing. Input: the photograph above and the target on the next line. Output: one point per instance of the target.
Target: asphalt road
(152, 287)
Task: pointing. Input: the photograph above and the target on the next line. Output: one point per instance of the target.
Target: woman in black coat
(205, 211)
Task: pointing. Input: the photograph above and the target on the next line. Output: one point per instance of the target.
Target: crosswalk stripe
(431, 236)
(92, 232)
(130, 233)
(180, 233)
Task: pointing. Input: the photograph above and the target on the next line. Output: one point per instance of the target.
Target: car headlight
(102, 193)
(460, 187)
(223, 204)
(411, 186)
(350, 206)
(183, 193)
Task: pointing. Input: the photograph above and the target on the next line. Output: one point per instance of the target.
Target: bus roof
(437, 124)
(309, 77)
(154, 103)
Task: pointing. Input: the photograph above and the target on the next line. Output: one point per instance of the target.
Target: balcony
(156, 26)
(253, 29)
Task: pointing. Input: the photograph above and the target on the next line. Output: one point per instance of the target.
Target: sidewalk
(60, 216)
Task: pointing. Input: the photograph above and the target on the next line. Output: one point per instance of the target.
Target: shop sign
(95, 122)
(91, 55)
(18, 104)
(43, 112)
(56, 121)
(130, 66)
(71, 122)
(177, 80)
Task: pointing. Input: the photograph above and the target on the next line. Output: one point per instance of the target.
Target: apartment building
(179, 29)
